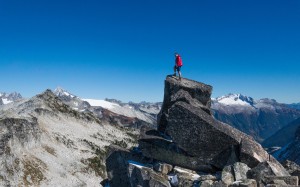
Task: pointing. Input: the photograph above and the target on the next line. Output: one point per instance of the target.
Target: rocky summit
(191, 148)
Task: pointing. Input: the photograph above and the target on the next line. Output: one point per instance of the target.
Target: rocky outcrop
(15, 135)
(190, 137)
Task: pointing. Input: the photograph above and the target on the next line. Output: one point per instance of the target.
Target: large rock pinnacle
(189, 137)
(186, 118)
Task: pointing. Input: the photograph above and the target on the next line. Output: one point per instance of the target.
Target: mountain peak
(59, 91)
(235, 99)
(6, 98)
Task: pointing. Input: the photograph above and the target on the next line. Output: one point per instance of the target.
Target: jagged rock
(227, 157)
(184, 117)
(219, 184)
(291, 167)
(162, 167)
(198, 91)
(187, 123)
(207, 183)
(264, 169)
(290, 180)
(57, 104)
(167, 151)
(117, 164)
(184, 96)
(278, 182)
(240, 171)
(227, 175)
(248, 183)
(252, 153)
(143, 176)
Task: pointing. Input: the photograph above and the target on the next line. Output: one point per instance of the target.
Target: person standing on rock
(178, 64)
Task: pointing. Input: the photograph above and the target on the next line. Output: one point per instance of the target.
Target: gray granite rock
(162, 167)
(117, 164)
(168, 152)
(144, 176)
(226, 157)
(240, 171)
(248, 183)
(186, 119)
(227, 175)
(198, 91)
(265, 169)
(289, 180)
(210, 137)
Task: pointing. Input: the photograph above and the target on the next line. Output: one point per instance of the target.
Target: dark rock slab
(168, 152)
(198, 133)
(252, 153)
(189, 92)
(266, 169)
(226, 157)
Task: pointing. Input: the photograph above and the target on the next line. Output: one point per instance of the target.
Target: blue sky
(124, 49)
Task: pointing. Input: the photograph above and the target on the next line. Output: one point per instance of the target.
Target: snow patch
(101, 103)
(6, 101)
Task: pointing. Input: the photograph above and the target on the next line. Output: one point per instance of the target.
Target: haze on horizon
(124, 50)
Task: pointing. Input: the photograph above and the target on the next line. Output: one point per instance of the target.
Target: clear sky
(124, 49)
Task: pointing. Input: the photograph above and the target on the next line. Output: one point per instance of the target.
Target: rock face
(190, 137)
(185, 117)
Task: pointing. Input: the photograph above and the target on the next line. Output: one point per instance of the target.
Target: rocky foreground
(191, 148)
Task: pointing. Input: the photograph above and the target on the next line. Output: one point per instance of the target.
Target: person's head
(176, 54)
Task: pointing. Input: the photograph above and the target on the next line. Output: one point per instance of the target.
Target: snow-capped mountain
(44, 142)
(234, 99)
(259, 118)
(136, 114)
(71, 99)
(6, 98)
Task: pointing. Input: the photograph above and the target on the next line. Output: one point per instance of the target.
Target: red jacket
(178, 61)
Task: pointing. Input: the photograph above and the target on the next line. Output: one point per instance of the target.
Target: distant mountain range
(258, 118)
(131, 114)
(283, 136)
(295, 106)
(6, 98)
(45, 142)
(291, 150)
